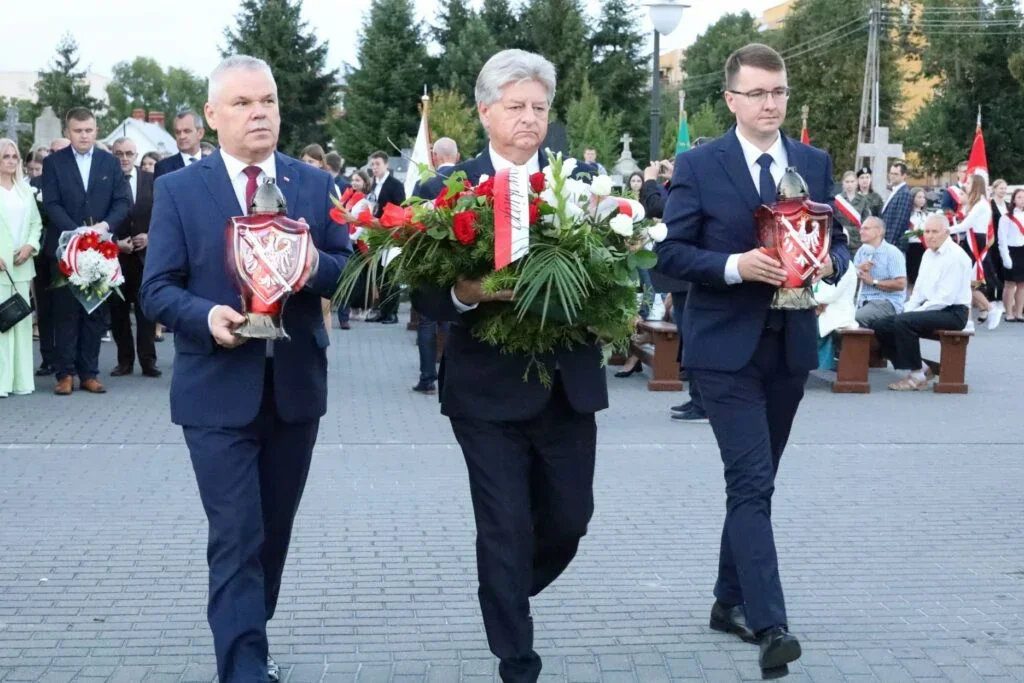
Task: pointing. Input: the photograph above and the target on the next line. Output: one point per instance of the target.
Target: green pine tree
(382, 93)
(704, 123)
(620, 73)
(462, 60)
(558, 30)
(587, 125)
(274, 31)
(454, 15)
(64, 86)
(451, 115)
(503, 24)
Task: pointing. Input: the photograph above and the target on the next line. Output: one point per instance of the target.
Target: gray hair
(513, 66)
(236, 63)
(446, 148)
(944, 224)
(121, 140)
(874, 220)
(197, 120)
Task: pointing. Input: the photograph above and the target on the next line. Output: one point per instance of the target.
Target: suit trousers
(250, 480)
(900, 336)
(426, 342)
(121, 323)
(532, 488)
(78, 335)
(46, 268)
(678, 307)
(751, 413)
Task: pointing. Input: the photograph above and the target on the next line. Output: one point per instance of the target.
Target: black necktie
(191, 160)
(131, 195)
(766, 184)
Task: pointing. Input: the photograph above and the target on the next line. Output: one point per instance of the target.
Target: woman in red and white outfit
(849, 211)
(974, 231)
(1011, 248)
(915, 246)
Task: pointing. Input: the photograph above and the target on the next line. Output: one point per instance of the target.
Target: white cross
(12, 126)
(625, 140)
(880, 151)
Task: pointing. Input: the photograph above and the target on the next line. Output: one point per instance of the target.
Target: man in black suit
(188, 133)
(529, 448)
(751, 361)
(46, 268)
(445, 154)
(132, 239)
(82, 185)
(386, 190)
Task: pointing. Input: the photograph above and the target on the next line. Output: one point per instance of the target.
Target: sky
(189, 34)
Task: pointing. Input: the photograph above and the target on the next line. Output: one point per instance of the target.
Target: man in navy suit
(82, 185)
(188, 133)
(445, 155)
(750, 361)
(898, 207)
(386, 190)
(529, 448)
(249, 410)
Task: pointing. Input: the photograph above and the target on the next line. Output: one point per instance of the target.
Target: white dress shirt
(377, 185)
(977, 219)
(917, 219)
(944, 279)
(892, 194)
(84, 162)
(499, 163)
(1010, 236)
(196, 157)
(780, 160)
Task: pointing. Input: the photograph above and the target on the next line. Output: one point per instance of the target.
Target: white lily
(621, 225)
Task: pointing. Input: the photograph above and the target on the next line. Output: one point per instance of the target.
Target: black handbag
(13, 310)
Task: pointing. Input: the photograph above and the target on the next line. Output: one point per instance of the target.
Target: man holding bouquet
(529, 447)
(750, 360)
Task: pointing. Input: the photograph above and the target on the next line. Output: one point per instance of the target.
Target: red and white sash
(957, 195)
(848, 210)
(1016, 221)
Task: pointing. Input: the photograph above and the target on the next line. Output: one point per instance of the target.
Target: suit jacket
(169, 165)
(478, 381)
(434, 184)
(391, 192)
(70, 205)
(710, 215)
(137, 222)
(186, 276)
(896, 216)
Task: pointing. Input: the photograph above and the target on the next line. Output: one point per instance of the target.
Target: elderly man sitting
(941, 301)
(882, 271)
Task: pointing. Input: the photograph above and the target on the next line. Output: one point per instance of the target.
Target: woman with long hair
(849, 210)
(915, 245)
(20, 230)
(974, 233)
(361, 181)
(1011, 248)
(633, 184)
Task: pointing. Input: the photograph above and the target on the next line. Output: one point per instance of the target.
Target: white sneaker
(969, 327)
(995, 316)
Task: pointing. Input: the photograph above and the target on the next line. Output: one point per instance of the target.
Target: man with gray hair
(188, 133)
(529, 447)
(249, 409)
(882, 271)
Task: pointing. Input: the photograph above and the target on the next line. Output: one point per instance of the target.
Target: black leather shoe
(373, 317)
(153, 371)
(389, 320)
(273, 670)
(425, 388)
(731, 620)
(45, 370)
(121, 371)
(779, 647)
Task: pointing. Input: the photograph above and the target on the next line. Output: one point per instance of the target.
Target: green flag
(683, 141)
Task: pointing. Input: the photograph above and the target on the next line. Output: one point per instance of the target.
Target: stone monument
(48, 128)
(12, 125)
(626, 165)
(880, 150)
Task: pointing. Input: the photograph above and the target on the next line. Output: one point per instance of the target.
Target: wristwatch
(874, 283)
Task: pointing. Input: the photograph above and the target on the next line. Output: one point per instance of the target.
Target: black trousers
(250, 481)
(121, 323)
(46, 269)
(751, 413)
(389, 296)
(533, 496)
(900, 336)
(78, 335)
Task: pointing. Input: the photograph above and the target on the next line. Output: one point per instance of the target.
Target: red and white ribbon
(511, 215)
(848, 210)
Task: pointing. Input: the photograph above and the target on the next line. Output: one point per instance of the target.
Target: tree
(705, 61)
(588, 126)
(143, 83)
(502, 23)
(27, 112)
(380, 102)
(620, 71)
(1017, 67)
(558, 30)
(462, 60)
(970, 49)
(64, 85)
(454, 15)
(451, 115)
(274, 31)
(704, 123)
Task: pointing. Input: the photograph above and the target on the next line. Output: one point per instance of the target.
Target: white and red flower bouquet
(88, 264)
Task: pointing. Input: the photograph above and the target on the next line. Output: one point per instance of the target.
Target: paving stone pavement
(898, 520)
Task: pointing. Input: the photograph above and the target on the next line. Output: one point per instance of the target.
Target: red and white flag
(977, 164)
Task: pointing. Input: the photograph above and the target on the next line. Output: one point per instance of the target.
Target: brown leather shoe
(121, 371)
(93, 386)
(65, 386)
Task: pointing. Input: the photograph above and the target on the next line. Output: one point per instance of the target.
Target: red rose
(65, 269)
(419, 227)
(485, 189)
(446, 199)
(362, 246)
(537, 182)
(395, 216)
(336, 215)
(464, 227)
(534, 214)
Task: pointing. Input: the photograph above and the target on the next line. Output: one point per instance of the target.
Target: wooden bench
(661, 355)
(859, 351)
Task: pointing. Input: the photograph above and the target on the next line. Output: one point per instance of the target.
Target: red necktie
(252, 173)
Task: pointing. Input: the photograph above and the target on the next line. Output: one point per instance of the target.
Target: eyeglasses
(124, 155)
(760, 96)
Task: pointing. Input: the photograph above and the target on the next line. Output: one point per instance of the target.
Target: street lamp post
(665, 15)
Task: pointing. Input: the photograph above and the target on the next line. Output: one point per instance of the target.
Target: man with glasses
(750, 361)
(132, 239)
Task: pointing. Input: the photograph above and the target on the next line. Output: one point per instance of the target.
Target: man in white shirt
(941, 301)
